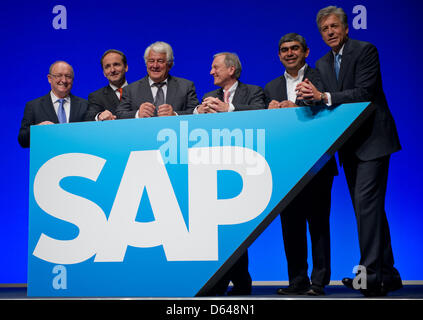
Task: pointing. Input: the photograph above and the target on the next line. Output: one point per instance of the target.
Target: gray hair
(231, 60)
(339, 12)
(289, 37)
(160, 47)
(60, 61)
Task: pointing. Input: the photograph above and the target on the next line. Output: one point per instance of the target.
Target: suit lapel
(48, 107)
(240, 94)
(330, 71)
(345, 61)
(74, 108)
(145, 89)
(172, 88)
(284, 94)
(111, 96)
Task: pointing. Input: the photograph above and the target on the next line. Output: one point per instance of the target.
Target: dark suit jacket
(360, 80)
(180, 95)
(42, 109)
(101, 100)
(247, 97)
(276, 90)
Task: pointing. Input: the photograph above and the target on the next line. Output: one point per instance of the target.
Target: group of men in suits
(349, 72)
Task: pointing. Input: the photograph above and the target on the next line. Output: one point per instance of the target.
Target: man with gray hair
(312, 204)
(233, 95)
(57, 106)
(350, 73)
(158, 93)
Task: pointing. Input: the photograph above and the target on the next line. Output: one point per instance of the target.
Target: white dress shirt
(291, 83)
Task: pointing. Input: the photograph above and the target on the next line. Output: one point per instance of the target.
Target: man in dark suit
(159, 93)
(232, 95)
(103, 102)
(312, 204)
(58, 106)
(351, 73)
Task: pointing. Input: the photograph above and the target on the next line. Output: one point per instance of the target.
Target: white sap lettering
(68, 207)
(143, 171)
(146, 172)
(207, 211)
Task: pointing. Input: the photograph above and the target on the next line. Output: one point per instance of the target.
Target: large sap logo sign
(164, 206)
(108, 239)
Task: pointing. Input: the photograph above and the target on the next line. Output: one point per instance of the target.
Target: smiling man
(312, 204)
(351, 73)
(103, 102)
(58, 106)
(158, 93)
(292, 52)
(233, 95)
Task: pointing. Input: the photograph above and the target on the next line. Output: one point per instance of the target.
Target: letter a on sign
(122, 217)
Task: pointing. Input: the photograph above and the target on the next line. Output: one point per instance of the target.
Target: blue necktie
(337, 64)
(61, 114)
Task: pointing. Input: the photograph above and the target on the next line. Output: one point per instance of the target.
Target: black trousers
(312, 206)
(238, 274)
(367, 181)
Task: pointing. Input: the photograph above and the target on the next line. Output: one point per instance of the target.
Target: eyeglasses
(59, 76)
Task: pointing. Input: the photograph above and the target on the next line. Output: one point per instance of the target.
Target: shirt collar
(340, 51)
(54, 98)
(299, 76)
(115, 88)
(151, 82)
(233, 88)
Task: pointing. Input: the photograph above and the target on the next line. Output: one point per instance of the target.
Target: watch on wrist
(323, 96)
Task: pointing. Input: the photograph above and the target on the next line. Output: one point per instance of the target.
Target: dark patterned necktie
(159, 100)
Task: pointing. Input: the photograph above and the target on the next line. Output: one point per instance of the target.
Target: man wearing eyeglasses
(58, 106)
(158, 93)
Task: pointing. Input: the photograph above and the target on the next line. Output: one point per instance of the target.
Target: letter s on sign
(67, 206)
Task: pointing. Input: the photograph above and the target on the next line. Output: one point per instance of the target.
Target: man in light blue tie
(350, 72)
(58, 106)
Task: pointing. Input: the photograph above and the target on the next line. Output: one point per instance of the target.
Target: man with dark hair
(232, 95)
(158, 93)
(58, 106)
(312, 204)
(350, 72)
(103, 102)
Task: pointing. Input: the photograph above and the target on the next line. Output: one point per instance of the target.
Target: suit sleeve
(255, 100)
(94, 108)
(366, 78)
(191, 100)
(267, 95)
(27, 121)
(125, 109)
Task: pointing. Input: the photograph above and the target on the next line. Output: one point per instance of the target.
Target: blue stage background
(197, 30)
